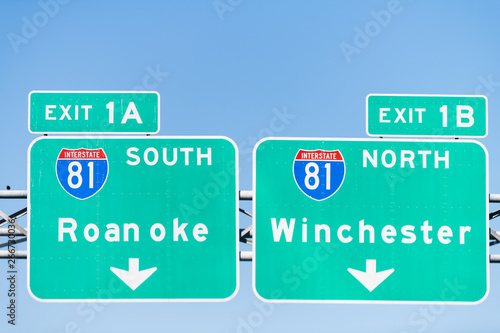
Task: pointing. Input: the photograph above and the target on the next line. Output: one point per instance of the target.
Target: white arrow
(133, 277)
(371, 278)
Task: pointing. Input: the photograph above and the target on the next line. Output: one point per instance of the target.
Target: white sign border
(312, 301)
(140, 300)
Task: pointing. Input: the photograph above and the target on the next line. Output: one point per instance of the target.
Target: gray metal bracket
(246, 235)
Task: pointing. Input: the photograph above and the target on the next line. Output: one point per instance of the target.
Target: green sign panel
(105, 112)
(362, 221)
(427, 115)
(133, 219)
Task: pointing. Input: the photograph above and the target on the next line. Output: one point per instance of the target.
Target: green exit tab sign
(427, 115)
(103, 112)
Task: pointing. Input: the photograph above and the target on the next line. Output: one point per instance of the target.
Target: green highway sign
(362, 221)
(103, 112)
(133, 219)
(427, 115)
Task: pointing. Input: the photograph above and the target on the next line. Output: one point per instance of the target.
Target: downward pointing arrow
(370, 279)
(133, 277)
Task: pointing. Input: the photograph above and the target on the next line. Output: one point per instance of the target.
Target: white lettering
(425, 229)
(70, 230)
(65, 112)
(383, 114)
(208, 156)
(113, 233)
(199, 230)
(384, 158)
(86, 108)
(131, 113)
(318, 228)
(407, 231)
(153, 229)
(407, 156)
(86, 232)
(420, 110)
(340, 234)
(174, 158)
(362, 229)
(179, 230)
(146, 156)
(445, 159)
(400, 115)
(463, 230)
(372, 159)
(424, 154)
(130, 154)
(186, 152)
(444, 234)
(48, 111)
(283, 227)
(388, 232)
(464, 115)
(130, 226)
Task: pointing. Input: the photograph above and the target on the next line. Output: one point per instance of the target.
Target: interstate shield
(319, 173)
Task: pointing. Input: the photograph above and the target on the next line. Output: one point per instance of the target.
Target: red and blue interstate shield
(82, 172)
(319, 173)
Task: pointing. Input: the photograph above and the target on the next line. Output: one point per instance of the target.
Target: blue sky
(232, 68)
